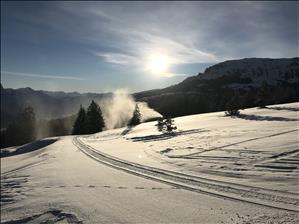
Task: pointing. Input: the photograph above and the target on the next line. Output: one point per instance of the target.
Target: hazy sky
(103, 46)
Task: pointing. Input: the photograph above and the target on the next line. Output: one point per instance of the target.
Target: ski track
(27, 166)
(191, 156)
(244, 193)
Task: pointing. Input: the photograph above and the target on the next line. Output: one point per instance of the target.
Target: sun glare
(158, 64)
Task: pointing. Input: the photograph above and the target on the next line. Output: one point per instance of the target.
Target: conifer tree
(160, 124)
(166, 125)
(136, 118)
(169, 123)
(79, 127)
(94, 118)
(233, 106)
(23, 130)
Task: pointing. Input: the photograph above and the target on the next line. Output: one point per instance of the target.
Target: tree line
(235, 103)
(90, 121)
(27, 128)
(208, 96)
(22, 131)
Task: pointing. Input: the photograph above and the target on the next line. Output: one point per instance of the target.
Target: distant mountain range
(47, 105)
(210, 91)
(205, 92)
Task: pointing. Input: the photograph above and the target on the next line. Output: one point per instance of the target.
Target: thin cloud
(43, 76)
(190, 32)
(117, 58)
(135, 36)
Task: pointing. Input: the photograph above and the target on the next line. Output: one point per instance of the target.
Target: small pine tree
(160, 124)
(94, 118)
(136, 118)
(233, 106)
(166, 125)
(79, 127)
(170, 127)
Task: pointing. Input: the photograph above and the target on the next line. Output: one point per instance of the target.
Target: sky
(105, 46)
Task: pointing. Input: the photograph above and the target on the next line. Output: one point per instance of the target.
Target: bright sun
(158, 63)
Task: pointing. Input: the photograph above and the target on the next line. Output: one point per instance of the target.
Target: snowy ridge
(257, 69)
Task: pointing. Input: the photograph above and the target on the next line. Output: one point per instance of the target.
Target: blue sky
(104, 46)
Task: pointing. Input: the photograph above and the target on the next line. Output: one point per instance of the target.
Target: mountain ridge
(217, 84)
(210, 91)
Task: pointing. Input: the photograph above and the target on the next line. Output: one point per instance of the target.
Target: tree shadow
(165, 136)
(284, 108)
(150, 138)
(264, 118)
(28, 147)
(50, 216)
(127, 130)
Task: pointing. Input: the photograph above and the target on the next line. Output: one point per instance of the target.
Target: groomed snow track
(259, 196)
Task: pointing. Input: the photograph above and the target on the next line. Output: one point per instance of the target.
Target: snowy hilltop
(271, 71)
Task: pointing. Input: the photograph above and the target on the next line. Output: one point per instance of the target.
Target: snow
(214, 145)
(257, 69)
(55, 181)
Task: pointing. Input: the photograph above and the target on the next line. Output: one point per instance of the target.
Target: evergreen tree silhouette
(23, 130)
(166, 125)
(94, 118)
(136, 118)
(161, 124)
(79, 127)
(233, 106)
(169, 123)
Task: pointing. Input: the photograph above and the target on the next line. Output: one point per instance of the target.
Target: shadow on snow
(264, 118)
(28, 147)
(165, 136)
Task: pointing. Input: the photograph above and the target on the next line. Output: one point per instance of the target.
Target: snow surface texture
(255, 154)
(259, 147)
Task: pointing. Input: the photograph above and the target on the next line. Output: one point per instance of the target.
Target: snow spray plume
(118, 109)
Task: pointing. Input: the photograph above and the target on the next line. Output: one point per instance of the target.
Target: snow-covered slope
(260, 147)
(239, 170)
